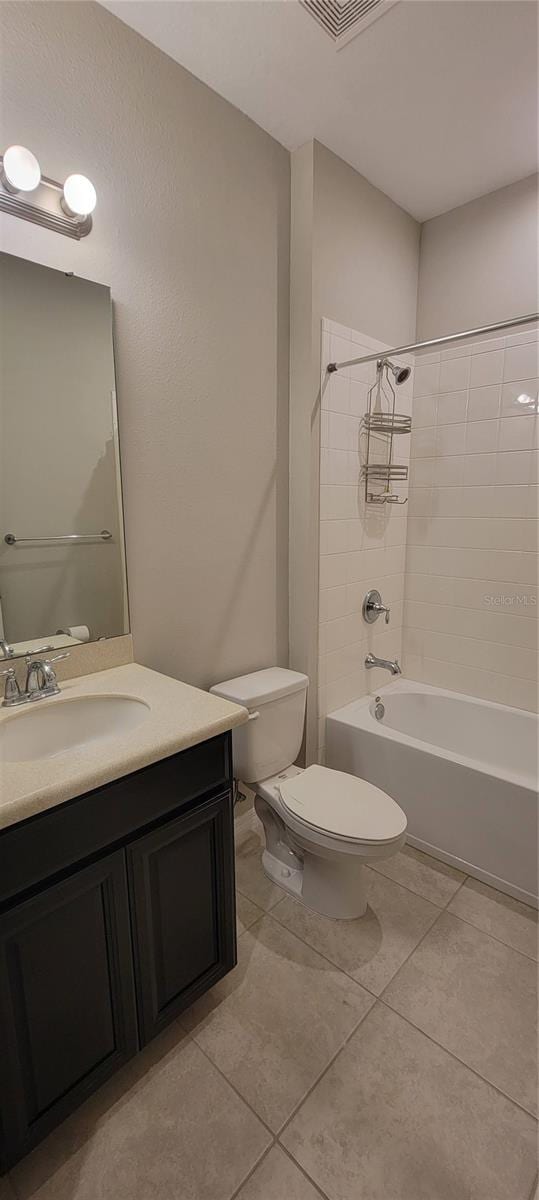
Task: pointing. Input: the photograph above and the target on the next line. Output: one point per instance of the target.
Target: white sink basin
(54, 726)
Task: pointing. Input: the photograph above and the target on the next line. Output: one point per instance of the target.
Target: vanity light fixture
(79, 196)
(63, 208)
(21, 171)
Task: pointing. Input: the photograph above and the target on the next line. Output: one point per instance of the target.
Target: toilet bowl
(321, 826)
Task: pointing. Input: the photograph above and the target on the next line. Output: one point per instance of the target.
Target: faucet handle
(57, 657)
(12, 691)
(373, 606)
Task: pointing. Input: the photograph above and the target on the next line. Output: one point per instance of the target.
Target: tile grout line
(406, 887)
(276, 1135)
(379, 997)
(334, 1057)
(511, 1100)
(305, 1173)
(442, 908)
(336, 967)
(486, 933)
(254, 1168)
(237, 1093)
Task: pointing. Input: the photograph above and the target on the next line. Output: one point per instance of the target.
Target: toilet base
(333, 889)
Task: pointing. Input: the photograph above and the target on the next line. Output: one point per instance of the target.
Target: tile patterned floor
(391, 1058)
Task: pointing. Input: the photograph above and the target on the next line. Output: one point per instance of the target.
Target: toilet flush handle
(254, 716)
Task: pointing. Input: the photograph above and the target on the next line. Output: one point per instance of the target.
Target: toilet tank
(271, 738)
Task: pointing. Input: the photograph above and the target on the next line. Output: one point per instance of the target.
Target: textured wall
(478, 262)
(192, 235)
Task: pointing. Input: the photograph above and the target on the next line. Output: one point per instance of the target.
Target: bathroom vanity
(116, 804)
(116, 901)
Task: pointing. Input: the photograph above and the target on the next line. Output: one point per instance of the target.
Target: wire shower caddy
(389, 424)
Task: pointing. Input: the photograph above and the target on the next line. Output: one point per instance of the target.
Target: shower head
(400, 374)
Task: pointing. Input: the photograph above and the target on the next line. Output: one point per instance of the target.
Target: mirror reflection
(62, 557)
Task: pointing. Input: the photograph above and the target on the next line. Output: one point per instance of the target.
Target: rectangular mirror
(62, 554)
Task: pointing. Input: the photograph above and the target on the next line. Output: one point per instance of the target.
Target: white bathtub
(463, 770)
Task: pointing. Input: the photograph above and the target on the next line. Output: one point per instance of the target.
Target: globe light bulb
(20, 170)
(79, 198)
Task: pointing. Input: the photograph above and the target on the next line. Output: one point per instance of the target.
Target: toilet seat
(342, 806)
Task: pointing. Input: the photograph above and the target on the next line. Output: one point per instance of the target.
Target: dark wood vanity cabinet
(110, 925)
(181, 885)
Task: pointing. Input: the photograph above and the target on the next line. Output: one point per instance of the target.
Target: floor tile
(276, 1021)
(373, 947)
(7, 1193)
(493, 912)
(250, 878)
(246, 913)
(277, 1178)
(430, 878)
(397, 1118)
(477, 998)
(178, 1130)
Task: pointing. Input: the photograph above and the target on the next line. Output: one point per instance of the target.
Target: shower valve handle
(373, 606)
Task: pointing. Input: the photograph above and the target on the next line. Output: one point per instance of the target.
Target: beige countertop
(179, 716)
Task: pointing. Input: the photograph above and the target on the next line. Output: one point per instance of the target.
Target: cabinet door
(182, 882)
(67, 1003)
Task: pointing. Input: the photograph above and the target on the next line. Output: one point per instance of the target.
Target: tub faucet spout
(387, 664)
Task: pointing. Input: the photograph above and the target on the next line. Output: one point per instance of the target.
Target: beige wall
(478, 263)
(355, 261)
(366, 248)
(191, 233)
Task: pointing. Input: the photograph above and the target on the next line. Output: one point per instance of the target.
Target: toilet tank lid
(260, 687)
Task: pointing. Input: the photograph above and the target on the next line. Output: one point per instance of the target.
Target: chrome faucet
(6, 651)
(41, 682)
(386, 663)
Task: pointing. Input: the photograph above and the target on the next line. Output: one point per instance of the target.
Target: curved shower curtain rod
(451, 337)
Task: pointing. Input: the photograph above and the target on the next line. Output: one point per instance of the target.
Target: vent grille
(344, 19)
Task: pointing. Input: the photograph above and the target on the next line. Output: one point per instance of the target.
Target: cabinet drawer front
(51, 842)
(67, 1004)
(181, 878)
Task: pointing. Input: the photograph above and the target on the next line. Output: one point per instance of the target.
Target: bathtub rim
(403, 685)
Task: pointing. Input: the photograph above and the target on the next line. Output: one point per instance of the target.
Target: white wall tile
(518, 434)
(470, 617)
(486, 369)
(426, 378)
(519, 399)
(514, 466)
(521, 362)
(481, 437)
(462, 551)
(454, 374)
(452, 407)
(424, 411)
(484, 403)
(423, 442)
(450, 439)
(479, 469)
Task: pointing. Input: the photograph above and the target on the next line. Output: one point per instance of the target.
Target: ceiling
(435, 102)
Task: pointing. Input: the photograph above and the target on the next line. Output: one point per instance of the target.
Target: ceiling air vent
(344, 19)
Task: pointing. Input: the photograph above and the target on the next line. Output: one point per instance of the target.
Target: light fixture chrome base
(45, 208)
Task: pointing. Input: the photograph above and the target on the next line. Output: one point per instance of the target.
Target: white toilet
(321, 826)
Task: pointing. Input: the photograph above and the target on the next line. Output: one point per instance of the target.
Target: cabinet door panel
(67, 1008)
(182, 882)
